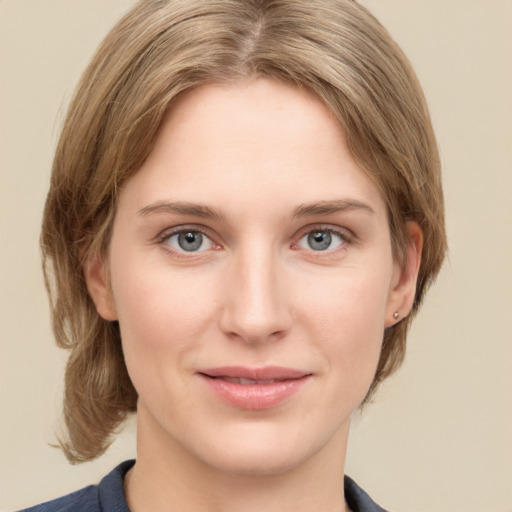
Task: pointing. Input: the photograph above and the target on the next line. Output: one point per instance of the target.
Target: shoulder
(358, 500)
(107, 496)
(84, 500)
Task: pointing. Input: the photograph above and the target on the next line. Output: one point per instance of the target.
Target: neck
(174, 479)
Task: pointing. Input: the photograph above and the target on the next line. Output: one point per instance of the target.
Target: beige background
(439, 437)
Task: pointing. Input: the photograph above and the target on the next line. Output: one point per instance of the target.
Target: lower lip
(255, 396)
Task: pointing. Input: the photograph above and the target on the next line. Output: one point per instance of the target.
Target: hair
(162, 48)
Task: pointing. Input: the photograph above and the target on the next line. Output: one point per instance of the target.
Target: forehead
(257, 141)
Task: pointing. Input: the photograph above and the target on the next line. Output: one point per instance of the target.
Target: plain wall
(439, 436)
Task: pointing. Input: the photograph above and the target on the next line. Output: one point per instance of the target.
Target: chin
(260, 450)
(259, 462)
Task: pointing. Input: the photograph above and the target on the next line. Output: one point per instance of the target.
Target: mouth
(254, 388)
(248, 382)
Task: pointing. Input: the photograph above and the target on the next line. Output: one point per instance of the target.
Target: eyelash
(164, 238)
(346, 237)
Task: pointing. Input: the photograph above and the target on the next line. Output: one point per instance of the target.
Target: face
(252, 276)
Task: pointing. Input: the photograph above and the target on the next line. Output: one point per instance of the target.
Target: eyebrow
(302, 210)
(330, 207)
(183, 208)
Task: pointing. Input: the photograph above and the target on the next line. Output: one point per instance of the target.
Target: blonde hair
(161, 48)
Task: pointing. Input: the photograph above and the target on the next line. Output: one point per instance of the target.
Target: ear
(98, 285)
(403, 284)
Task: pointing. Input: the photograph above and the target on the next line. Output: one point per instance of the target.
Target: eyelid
(167, 233)
(346, 234)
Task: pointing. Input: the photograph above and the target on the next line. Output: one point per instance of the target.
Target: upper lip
(257, 374)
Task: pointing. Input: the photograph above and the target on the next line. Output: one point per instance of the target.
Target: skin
(256, 293)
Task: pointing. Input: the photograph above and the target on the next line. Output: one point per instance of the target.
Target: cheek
(355, 299)
(163, 315)
(347, 320)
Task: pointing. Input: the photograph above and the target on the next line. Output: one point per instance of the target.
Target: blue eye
(321, 240)
(189, 241)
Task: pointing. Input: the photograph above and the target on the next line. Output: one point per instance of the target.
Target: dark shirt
(109, 496)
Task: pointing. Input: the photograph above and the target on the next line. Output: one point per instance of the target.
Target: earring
(396, 315)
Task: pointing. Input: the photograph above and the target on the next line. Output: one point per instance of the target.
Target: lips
(247, 382)
(254, 388)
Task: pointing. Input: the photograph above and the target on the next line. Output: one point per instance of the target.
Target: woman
(245, 213)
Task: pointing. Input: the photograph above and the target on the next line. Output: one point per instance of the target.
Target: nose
(256, 306)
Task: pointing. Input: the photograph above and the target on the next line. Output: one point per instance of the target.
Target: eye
(321, 240)
(189, 240)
